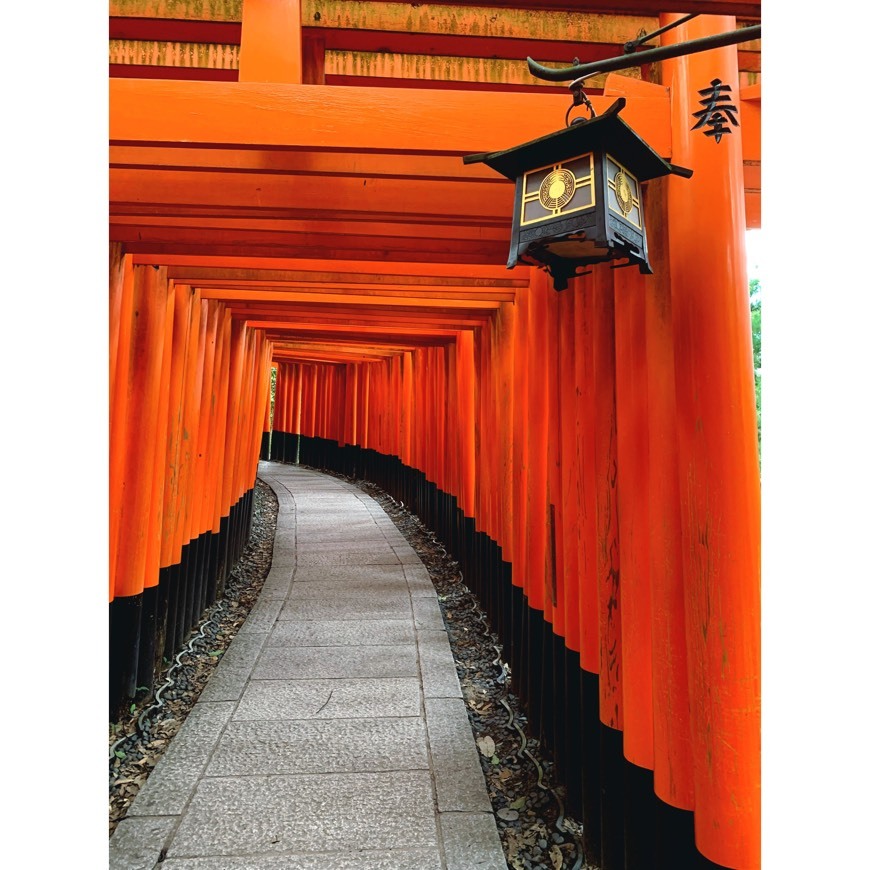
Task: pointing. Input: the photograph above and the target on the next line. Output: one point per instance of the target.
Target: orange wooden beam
(241, 289)
(337, 315)
(373, 119)
(369, 272)
(362, 272)
(425, 232)
(319, 195)
(346, 299)
(293, 161)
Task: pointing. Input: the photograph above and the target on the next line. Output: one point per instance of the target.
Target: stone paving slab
(330, 699)
(266, 814)
(420, 583)
(377, 584)
(346, 556)
(360, 521)
(320, 746)
(336, 662)
(333, 733)
(348, 575)
(138, 842)
(234, 669)
(437, 665)
(459, 781)
(428, 858)
(346, 607)
(278, 583)
(283, 562)
(340, 541)
(171, 783)
(471, 841)
(342, 632)
(427, 613)
(262, 616)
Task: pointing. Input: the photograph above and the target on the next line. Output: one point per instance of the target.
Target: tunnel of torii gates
(588, 456)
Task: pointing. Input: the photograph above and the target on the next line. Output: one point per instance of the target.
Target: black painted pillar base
(198, 581)
(163, 596)
(124, 617)
(559, 702)
(188, 591)
(591, 766)
(572, 762)
(640, 814)
(222, 566)
(675, 840)
(264, 446)
(211, 564)
(171, 587)
(534, 665)
(147, 639)
(549, 699)
(612, 800)
(517, 620)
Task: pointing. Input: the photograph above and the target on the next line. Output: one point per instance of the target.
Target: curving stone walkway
(333, 733)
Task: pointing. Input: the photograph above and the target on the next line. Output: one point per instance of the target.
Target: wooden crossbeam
(231, 10)
(291, 161)
(386, 120)
(347, 300)
(395, 292)
(322, 270)
(335, 315)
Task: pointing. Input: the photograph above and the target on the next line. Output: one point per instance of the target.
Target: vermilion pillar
(674, 776)
(132, 465)
(718, 458)
(271, 49)
(632, 440)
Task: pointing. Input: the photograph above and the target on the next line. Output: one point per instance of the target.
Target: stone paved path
(333, 733)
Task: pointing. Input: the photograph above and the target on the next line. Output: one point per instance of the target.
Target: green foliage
(755, 319)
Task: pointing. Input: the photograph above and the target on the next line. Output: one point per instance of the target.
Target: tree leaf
(556, 857)
(518, 804)
(486, 745)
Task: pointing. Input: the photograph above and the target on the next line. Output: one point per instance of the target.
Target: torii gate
(603, 439)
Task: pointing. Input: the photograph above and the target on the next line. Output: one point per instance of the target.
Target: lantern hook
(579, 99)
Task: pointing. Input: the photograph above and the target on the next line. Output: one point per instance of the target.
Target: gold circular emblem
(557, 189)
(622, 189)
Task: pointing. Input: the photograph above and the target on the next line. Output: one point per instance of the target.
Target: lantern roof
(606, 132)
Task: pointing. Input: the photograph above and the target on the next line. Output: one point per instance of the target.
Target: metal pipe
(632, 45)
(611, 64)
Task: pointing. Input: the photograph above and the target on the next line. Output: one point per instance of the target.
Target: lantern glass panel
(557, 190)
(623, 193)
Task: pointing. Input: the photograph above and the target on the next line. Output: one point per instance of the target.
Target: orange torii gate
(589, 456)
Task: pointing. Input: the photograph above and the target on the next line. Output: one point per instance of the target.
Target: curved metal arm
(650, 55)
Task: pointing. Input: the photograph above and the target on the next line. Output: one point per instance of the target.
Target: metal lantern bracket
(650, 55)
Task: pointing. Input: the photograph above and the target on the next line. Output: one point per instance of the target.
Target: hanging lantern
(578, 197)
